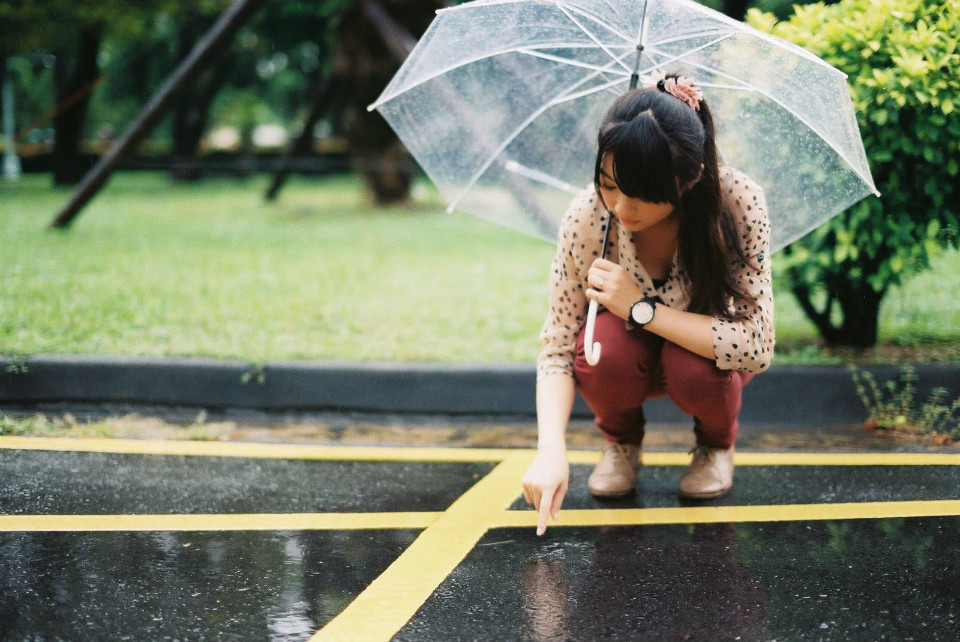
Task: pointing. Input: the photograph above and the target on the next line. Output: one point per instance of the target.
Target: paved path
(133, 539)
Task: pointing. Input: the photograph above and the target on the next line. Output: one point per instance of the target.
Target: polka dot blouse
(744, 344)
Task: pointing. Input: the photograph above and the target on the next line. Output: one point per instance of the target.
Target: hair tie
(681, 87)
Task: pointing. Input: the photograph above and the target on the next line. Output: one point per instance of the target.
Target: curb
(800, 396)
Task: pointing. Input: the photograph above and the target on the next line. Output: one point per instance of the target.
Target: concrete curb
(785, 396)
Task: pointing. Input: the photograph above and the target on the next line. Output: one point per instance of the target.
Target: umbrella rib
(500, 52)
(537, 175)
(690, 36)
(590, 35)
(564, 5)
(568, 61)
(736, 25)
(741, 28)
(685, 53)
(580, 94)
(748, 86)
(516, 132)
(713, 85)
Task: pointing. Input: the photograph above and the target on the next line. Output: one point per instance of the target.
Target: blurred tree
(75, 77)
(192, 107)
(220, 35)
(365, 57)
(21, 26)
(72, 31)
(257, 71)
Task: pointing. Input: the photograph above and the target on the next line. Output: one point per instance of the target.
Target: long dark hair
(658, 144)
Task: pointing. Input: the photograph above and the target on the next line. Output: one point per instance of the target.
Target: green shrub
(893, 407)
(902, 60)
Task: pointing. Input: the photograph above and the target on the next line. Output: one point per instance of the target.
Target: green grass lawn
(163, 269)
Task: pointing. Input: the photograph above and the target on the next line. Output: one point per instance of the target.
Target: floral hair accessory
(681, 87)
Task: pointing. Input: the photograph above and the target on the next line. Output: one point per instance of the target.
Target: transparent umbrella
(500, 103)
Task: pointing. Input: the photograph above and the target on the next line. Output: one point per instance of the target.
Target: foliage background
(903, 63)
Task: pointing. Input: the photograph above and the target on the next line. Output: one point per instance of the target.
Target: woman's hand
(545, 484)
(612, 287)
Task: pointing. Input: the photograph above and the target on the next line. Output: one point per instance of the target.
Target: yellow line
(443, 454)
(496, 518)
(394, 597)
(255, 450)
(207, 522)
(711, 514)
(790, 459)
(847, 459)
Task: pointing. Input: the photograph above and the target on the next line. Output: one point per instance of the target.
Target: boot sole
(608, 494)
(711, 495)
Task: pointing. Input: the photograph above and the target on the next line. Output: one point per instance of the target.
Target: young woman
(684, 285)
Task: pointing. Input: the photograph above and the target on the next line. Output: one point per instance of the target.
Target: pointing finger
(544, 509)
(557, 502)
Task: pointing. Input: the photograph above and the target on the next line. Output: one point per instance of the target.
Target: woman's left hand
(612, 287)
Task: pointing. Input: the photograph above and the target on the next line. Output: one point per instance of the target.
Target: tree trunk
(68, 166)
(389, 172)
(370, 58)
(192, 111)
(328, 95)
(860, 312)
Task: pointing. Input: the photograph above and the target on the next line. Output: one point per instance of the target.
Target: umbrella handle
(591, 350)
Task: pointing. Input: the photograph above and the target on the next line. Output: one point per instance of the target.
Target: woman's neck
(656, 247)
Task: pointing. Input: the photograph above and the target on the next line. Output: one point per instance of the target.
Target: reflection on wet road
(851, 580)
(185, 585)
(104, 539)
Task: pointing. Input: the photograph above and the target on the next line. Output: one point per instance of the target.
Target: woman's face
(634, 215)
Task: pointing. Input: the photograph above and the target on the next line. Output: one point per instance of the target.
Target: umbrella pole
(591, 350)
(635, 76)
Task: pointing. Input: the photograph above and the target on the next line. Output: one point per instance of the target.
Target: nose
(613, 203)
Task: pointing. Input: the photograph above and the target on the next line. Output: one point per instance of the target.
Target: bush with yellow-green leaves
(903, 65)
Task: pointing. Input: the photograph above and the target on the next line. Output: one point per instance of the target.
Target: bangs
(641, 159)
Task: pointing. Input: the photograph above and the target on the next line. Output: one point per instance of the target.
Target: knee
(625, 354)
(691, 376)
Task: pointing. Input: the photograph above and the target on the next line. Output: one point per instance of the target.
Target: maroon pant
(637, 365)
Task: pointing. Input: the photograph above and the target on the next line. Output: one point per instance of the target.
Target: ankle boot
(709, 475)
(616, 474)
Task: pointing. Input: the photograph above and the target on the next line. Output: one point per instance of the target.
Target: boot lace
(702, 452)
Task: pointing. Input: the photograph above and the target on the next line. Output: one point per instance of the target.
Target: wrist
(552, 448)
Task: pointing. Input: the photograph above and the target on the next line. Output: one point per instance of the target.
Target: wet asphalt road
(789, 578)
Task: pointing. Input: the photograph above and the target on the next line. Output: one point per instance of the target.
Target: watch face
(642, 312)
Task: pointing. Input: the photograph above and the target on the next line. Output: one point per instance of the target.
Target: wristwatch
(641, 312)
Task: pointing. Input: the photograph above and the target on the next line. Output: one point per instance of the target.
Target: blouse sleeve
(567, 300)
(746, 343)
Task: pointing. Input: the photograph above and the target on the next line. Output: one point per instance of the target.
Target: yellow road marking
(790, 459)
(496, 518)
(738, 514)
(208, 522)
(443, 454)
(254, 450)
(395, 596)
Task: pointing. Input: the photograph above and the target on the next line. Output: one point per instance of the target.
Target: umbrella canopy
(501, 100)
